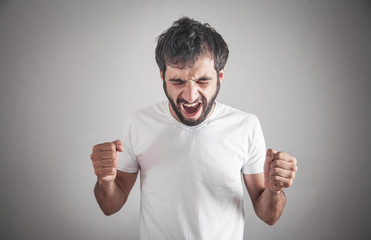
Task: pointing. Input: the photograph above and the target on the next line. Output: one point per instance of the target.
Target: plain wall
(71, 70)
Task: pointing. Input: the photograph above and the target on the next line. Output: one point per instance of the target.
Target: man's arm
(268, 205)
(113, 195)
(113, 187)
(266, 189)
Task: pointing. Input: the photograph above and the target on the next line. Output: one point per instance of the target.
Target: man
(191, 150)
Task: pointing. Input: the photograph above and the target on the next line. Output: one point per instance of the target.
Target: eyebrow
(203, 78)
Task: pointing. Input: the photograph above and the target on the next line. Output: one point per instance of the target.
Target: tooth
(191, 105)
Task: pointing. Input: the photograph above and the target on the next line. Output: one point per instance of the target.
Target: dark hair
(185, 41)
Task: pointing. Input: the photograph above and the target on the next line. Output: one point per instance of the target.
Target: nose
(190, 92)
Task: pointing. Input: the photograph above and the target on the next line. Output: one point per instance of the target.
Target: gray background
(71, 70)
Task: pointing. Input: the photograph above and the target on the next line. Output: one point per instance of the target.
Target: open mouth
(191, 110)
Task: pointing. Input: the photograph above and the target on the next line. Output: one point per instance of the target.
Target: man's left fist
(279, 170)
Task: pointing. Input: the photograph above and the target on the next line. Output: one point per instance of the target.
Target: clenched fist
(279, 170)
(105, 158)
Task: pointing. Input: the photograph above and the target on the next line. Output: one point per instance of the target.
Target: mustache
(181, 100)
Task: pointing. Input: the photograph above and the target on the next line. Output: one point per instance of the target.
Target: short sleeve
(127, 162)
(256, 149)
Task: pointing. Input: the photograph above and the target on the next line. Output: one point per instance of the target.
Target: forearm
(110, 197)
(269, 206)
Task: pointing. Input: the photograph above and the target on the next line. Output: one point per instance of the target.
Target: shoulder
(146, 116)
(148, 112)
(235, 115)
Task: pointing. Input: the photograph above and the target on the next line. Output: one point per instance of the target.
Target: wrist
(274, 192)
(104, 184)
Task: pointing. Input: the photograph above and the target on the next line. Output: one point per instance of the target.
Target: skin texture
(113, 187)
(196, 85)
(266, 189)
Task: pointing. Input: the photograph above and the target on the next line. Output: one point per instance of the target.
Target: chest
(207, 156)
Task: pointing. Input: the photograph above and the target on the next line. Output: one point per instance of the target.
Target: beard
(206, 106)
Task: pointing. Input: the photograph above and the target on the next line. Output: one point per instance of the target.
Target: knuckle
(112, 162)
(280, 155)
(112, 155)
(289, 183)
(96, 147)
(112, 146)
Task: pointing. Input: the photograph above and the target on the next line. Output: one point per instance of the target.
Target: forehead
(204, 66)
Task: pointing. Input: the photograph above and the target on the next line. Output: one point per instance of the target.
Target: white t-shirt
(191, 186)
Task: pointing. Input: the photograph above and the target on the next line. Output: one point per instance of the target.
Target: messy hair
(186, 41)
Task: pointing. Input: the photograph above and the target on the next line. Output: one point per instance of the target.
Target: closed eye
(176, 81)
(203, 82)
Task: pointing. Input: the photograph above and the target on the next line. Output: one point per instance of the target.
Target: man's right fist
(105, 158)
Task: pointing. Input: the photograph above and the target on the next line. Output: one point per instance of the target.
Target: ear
(221, 75)
(162, 76)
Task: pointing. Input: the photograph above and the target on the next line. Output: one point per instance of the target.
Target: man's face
(192, 90)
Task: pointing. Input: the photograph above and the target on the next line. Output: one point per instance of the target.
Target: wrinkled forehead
(202, 67)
